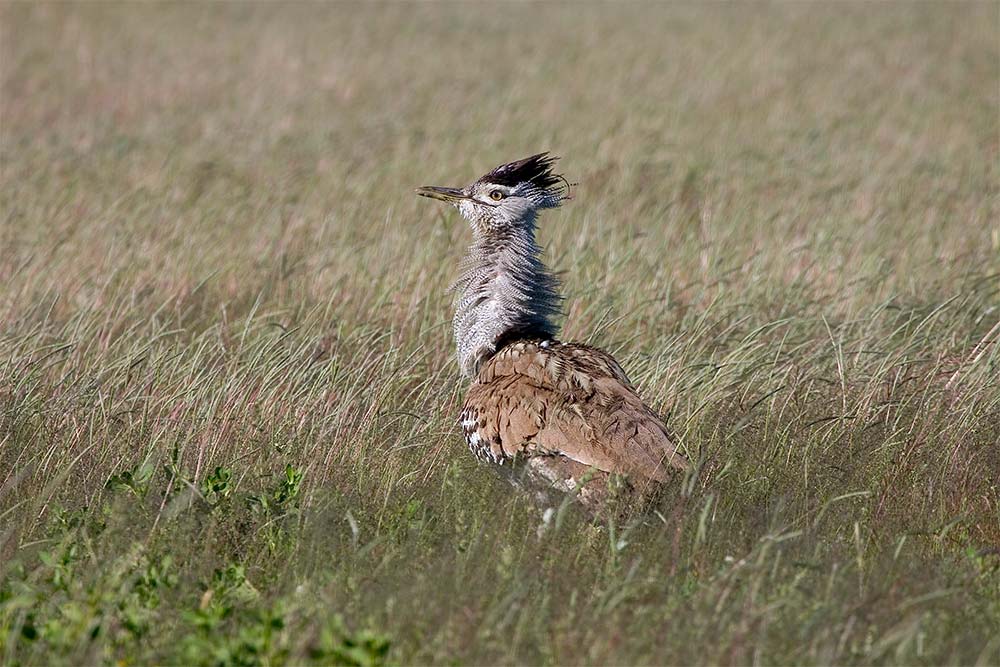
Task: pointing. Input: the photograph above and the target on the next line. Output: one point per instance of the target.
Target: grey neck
(504, 293)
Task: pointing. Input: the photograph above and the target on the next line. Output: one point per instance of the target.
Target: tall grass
(227, 385)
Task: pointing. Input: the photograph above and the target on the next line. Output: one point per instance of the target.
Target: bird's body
(569, 412)
(564, 414)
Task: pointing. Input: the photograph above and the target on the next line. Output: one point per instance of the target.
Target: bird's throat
(505, 292)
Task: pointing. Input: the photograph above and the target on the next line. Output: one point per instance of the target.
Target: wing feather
(567, 399)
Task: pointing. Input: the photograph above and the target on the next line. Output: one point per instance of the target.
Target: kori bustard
(565, 415)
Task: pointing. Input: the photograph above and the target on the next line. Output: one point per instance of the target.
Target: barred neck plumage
(504, 293)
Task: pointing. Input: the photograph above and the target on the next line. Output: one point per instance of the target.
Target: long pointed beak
(450, 195)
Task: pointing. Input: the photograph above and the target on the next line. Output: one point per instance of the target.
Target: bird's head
(508, 196)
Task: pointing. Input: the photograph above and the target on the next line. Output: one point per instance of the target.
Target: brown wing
(542, 398)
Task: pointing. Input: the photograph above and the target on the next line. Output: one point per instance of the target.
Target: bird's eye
(497, 195)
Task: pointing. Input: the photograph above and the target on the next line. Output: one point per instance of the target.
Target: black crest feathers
(536, 169)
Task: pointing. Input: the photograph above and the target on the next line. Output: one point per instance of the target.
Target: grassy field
(228, 393)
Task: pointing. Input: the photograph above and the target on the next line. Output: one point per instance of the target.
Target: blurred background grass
(227, 391)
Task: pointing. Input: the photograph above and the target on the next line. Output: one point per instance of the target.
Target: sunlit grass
(227, 385)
